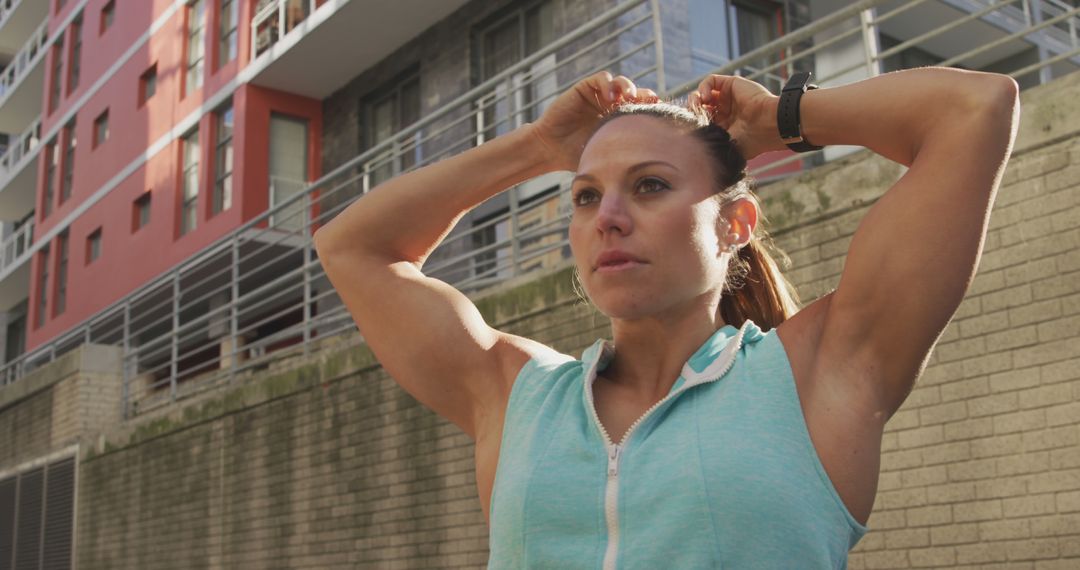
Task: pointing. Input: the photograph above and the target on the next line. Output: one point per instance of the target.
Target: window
(756, 25)
(147, 84)
(223, 158)
(37, 507)
(93, 246)
(76, 51)
(60, 5)
(43, 284)
(708, 48)
(61, 274)
(190, 182)
(57, 74)
(227, 31)
(52, 162)
(101, 128)
(195, 49)
(393, 107)
(108, 12)
(67, 168)
(140, 212)
(503, 43)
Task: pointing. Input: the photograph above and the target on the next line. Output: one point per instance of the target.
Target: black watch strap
(787, 113)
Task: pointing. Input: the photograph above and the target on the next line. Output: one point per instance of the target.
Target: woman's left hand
(744, 108)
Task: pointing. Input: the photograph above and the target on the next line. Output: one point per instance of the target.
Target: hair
(755, 287)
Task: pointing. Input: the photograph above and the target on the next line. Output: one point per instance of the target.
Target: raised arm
(427, 335)
(914, 255)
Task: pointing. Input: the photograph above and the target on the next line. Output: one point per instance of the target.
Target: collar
(710, 362)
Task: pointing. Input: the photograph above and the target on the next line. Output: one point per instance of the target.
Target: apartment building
(166, 161)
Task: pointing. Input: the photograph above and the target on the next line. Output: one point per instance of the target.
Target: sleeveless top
(721, 473)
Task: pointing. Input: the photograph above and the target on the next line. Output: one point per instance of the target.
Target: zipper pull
(613, 460)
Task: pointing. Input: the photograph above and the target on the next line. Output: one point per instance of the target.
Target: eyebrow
(633, 168)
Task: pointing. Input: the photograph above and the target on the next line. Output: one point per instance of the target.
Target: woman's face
(645, 188)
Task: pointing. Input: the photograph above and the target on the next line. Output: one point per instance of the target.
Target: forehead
(630, 140)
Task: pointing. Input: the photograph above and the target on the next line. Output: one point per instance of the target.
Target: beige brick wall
(332, 465)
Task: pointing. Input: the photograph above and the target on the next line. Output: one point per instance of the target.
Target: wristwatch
(787, 113)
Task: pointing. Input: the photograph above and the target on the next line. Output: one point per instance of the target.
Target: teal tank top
(721, 473)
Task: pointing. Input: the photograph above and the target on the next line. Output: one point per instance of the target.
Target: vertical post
(175, 335)
(658, 46)
(870, 42)
(1045, 72)
(515, 238)
(124, 362)
(86, 333)
(281, 19)
(306, 274)
(234, 311)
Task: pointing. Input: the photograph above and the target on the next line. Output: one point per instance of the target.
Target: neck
(650, 352)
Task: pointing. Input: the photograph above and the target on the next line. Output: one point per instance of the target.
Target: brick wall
(331, 465)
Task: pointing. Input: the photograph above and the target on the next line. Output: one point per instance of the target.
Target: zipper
(615, 450)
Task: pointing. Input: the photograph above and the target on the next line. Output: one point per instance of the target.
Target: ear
(741, 216)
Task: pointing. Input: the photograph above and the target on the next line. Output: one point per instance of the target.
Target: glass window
(101, 128)
(227, 33)
(147, 84)
(43, 284)
(504, 43)
(93, 246)
(196, 21)
(68, 166)
(107, 14)
(223, 158)
(57, 75)
(394, 108)
(190, 182)
(61, 275)
(755, 26)
(140, 215)
(76, 53)
(52, 162)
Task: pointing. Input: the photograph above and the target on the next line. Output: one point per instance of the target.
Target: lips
(614, 257)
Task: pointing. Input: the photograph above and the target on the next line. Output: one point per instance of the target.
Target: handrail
(261, 286)
(27, 55)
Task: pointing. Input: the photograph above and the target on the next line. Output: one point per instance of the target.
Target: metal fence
(24, 59)
(258, 297)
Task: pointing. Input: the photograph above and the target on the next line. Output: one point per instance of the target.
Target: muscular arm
(916, 251)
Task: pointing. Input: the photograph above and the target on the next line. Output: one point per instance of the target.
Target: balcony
(292, 39)
(22, 83)
(18, 175)
(14, 269)
(19, 19)
(258, 295)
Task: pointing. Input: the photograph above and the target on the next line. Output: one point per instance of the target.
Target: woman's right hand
(566, 125)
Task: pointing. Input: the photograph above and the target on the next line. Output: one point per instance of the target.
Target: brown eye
(651, 185)
(584, 197)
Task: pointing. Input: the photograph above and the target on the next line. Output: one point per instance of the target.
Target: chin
(626, 303)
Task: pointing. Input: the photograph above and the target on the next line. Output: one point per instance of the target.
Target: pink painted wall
(130, 258)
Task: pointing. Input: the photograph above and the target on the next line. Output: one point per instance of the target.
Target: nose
(612, 215)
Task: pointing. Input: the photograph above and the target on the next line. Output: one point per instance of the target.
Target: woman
(720, 427)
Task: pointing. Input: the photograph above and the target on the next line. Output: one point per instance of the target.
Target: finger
(695, 100)
(705, 88)
(646, 94)
(622, 85)
(600, 83)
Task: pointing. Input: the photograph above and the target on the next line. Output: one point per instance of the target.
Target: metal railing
(7, 7)
(24, 59)
(16, 244)
(275, 18)
(258, 296)
(22, 147)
